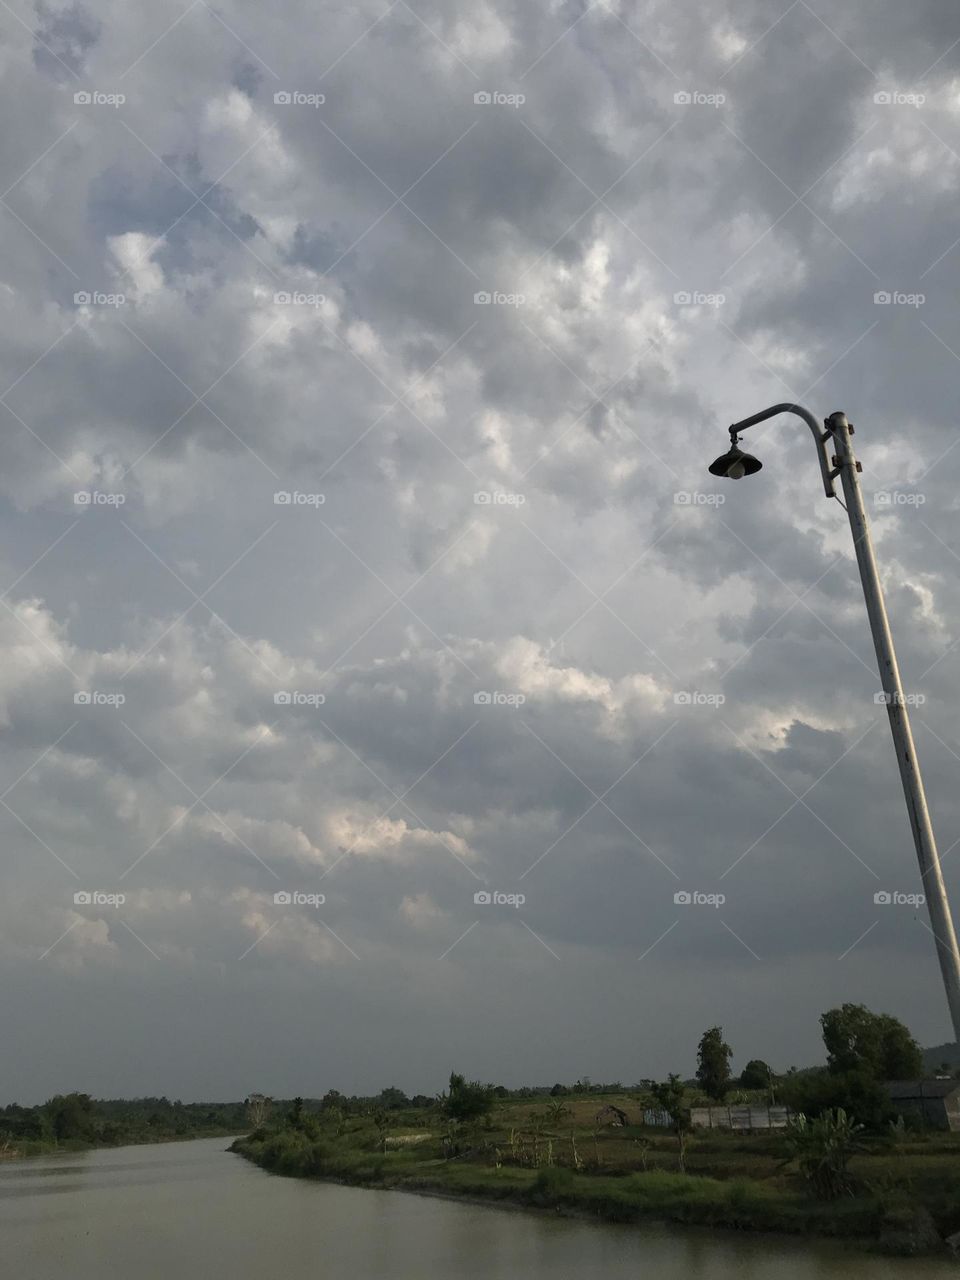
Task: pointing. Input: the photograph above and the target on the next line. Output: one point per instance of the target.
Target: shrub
(822, 1149)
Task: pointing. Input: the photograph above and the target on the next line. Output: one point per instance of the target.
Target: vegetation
(822, 1149)
(857, 1040)
(841, 1168)
(844, 1167)
(74, 1121)
(756, 1075)
(713, 1064)
(852, 1184)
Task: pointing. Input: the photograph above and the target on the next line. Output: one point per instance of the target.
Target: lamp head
(735, 464)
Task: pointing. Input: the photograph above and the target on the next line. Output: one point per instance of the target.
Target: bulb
(736, 471)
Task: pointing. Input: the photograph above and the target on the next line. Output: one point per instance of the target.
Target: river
(193, 1211)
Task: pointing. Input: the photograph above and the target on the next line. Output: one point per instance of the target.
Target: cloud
(262, 275)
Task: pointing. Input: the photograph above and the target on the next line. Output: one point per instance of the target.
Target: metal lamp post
(841, 462)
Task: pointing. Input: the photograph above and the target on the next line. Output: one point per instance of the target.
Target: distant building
(743, 1118)
(936, 1103)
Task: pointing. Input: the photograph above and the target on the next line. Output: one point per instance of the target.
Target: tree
(467, 1100)
(258, 1108)
(669, 1095)
(393, 1099)
(901, 1056)
(857, 1040)
(713, 1064)
(756, 1075)
(71, 1116)
(858, 1093)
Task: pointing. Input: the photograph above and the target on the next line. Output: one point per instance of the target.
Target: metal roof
(900, 1090)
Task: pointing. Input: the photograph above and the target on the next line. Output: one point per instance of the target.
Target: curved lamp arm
(819, 434)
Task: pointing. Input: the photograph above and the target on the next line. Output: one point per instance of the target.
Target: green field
(904, 1194)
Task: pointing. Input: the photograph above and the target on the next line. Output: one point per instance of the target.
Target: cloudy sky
(361, 364)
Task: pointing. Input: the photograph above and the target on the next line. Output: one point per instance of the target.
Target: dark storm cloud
(504, 635)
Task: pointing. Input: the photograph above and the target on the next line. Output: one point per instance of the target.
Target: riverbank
(188, 1210)
(906, 1202)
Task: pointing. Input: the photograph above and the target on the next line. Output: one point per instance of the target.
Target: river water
(193, 1211)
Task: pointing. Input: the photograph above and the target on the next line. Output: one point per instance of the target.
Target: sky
(387, 688)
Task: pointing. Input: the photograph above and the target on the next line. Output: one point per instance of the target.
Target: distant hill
(932, 1058)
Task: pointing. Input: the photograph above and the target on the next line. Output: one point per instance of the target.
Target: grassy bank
(906, 1196)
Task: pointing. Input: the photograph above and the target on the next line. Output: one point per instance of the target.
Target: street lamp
(842, 462)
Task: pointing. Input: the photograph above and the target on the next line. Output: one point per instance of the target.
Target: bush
(822, 1149)
(857, 1093)
(552, 1183)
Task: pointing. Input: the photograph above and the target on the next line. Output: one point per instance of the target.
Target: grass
(732, 1180)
